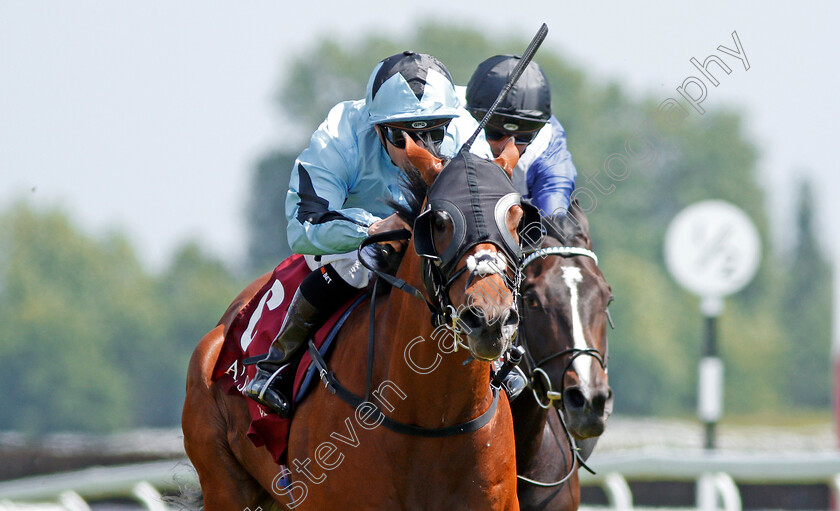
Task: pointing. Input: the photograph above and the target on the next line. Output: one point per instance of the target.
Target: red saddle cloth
(251, 334)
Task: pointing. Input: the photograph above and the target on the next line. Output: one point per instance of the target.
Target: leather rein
(442, 313)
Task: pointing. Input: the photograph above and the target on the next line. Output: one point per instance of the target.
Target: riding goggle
(518, 137)
(433, 135)
(523, 131)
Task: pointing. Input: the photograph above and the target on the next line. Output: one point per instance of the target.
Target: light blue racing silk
(340, 183)
(545, 172)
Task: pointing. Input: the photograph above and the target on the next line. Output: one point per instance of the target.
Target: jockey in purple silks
(545, 173)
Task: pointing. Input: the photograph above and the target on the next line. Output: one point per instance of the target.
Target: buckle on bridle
(550, 394)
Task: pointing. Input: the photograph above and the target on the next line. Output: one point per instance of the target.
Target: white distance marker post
(712, 249)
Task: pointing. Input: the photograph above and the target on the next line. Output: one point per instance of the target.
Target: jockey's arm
(319, 186)
(317, 223)
(551, 177)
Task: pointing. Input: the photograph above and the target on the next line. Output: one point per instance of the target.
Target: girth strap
(332, 383)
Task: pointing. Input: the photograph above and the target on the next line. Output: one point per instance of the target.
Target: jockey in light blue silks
(545, 173)
(338, 190)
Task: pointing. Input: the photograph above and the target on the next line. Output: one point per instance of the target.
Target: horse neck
(441, 390)
(529, 420)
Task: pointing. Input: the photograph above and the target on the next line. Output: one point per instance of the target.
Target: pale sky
(148, 116)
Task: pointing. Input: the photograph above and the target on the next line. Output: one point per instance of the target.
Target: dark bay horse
(564, 301)
(348, 457)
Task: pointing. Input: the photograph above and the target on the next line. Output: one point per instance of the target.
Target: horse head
(467, 234)
(564, 301)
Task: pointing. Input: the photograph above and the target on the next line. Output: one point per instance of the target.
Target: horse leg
(227, 486)
(225, 483)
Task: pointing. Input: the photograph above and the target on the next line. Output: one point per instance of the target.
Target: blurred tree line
(92, 341)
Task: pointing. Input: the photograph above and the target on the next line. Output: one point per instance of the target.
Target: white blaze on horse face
(572, 276)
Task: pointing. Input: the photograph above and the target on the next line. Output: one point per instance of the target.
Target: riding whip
(517, 72)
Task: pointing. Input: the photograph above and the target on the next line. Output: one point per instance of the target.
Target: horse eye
(530, 300)
(439, 220)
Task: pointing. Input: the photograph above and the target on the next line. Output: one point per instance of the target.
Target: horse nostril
(600, 400)
(574, 398)
(475, 317)
(512, 318)
(472, 318)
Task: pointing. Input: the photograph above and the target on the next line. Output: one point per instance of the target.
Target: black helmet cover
(529, 100)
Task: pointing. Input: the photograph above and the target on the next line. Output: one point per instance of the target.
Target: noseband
(438, 284)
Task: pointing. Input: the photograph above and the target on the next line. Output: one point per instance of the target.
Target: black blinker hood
(476, 194)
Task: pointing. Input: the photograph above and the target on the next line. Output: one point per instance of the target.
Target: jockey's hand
(390, 223)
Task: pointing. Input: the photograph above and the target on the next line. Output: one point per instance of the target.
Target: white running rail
(715, 472)
(70, 490)
(721, 471)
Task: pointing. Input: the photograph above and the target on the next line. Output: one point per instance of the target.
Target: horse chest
(379, 469)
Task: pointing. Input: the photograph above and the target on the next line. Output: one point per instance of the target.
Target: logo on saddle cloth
(250, 335)
(270, 301)
(257, 324)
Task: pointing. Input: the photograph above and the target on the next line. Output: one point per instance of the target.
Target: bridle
(537, 377)
(440, 314)
(438, 283)
(534, 367)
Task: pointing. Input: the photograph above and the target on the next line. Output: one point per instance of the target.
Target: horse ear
(581, 222)
(509, 157)
(427, 163)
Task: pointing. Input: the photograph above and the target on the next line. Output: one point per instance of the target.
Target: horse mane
(415, 190)
(570, 228)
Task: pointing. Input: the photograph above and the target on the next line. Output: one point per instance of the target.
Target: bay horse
(564, 300)
(453, 441)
